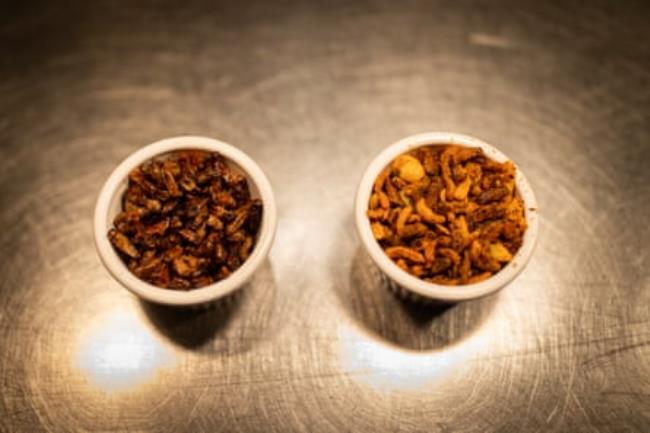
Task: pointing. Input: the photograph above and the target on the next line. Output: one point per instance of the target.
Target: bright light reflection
(120, 353)
(387, 367)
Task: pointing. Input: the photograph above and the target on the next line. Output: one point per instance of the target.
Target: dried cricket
(187, 220)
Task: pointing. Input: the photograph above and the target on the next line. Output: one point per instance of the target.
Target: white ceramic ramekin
(413, 284)
(109, 205)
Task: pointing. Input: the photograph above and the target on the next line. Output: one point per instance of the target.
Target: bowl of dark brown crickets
(185, 220)
(446, 217)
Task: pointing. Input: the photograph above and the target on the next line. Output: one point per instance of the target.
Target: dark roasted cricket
(448, 214)
(187, 220)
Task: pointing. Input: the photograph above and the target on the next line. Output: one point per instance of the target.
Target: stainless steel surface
(312, 92)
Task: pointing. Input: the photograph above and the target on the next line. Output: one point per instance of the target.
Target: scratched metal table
(315, 343)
